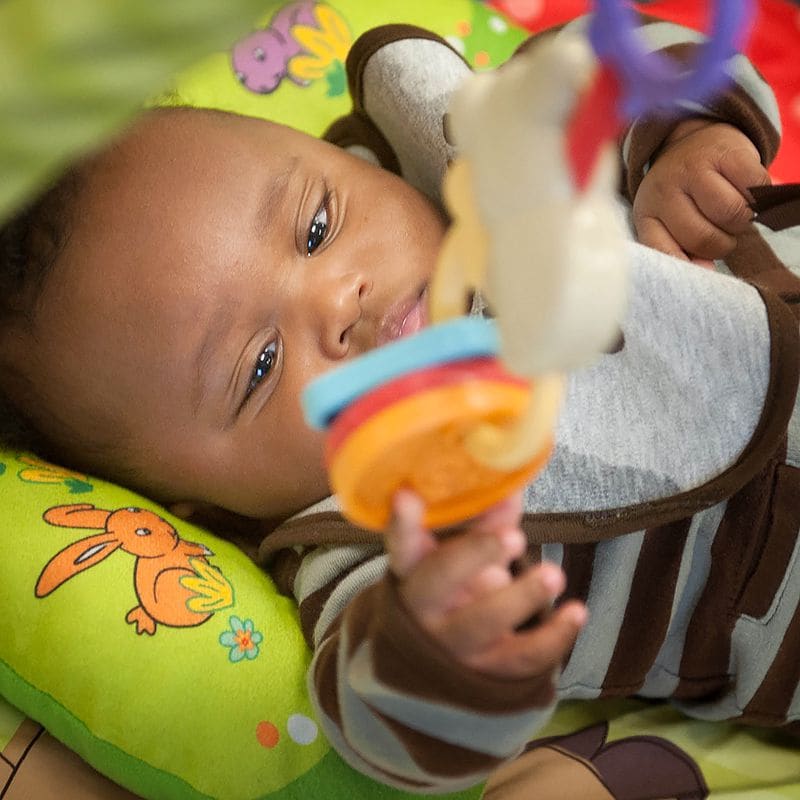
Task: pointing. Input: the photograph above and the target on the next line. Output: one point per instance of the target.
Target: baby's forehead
(191, 140)
(176, 188)
(181, 123)
(157, 149)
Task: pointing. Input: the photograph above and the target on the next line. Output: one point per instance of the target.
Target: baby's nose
(342, 316)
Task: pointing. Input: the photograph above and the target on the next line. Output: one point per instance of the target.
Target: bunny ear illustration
(77, 515)
(75, 558)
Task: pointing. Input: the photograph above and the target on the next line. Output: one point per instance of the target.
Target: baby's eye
(264, 363)
(318, 229)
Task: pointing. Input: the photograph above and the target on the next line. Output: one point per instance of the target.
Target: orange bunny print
(174, 583)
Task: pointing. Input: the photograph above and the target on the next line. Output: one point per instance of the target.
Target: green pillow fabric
(158, 652)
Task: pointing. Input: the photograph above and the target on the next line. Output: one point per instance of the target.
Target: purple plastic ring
(651, 81)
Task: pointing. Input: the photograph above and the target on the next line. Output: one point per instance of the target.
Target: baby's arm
(419, 675)
(688, 177)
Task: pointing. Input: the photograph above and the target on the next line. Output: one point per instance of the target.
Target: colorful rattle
(400, 416)
(464, 412)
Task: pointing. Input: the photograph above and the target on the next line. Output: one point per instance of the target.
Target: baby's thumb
(407, 540)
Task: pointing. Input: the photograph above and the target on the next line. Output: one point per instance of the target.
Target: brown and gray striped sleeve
(392, 702)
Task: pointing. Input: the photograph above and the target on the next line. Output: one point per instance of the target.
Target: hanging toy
(632, 81)
(400, 416)
(464, 412)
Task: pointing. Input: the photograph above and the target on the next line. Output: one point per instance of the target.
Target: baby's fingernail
(579, 615)
(513, 541)
(552, 579)
(407, 504)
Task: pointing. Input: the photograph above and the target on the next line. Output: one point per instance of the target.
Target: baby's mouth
(417, 316)
(404, 318)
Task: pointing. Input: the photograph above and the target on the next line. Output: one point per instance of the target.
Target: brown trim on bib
(331, 528)
(357, 129)
(754, 260)
(375, 39)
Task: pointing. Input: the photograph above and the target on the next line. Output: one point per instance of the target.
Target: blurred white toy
(549, 256)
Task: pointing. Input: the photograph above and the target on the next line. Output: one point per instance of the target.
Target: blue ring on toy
(454, 340)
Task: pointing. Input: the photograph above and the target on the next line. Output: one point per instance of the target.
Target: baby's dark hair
(31, 242)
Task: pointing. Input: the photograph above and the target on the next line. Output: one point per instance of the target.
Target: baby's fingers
(652, 232)
(505, 514)
(537, 651)
(407, 541)
(722, 203)
(743, 168)
(687, 226)
(439, 582)
(477, 626)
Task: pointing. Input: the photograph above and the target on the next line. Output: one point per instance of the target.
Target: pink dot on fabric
(524, 9)
(267, 734)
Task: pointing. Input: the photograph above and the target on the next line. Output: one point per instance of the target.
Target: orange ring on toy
(418, 442)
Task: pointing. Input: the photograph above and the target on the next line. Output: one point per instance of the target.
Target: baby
(167, 301)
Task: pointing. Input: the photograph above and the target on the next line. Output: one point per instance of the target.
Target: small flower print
(326, 48)
(242, 640)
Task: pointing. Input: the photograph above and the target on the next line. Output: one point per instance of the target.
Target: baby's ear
(183, 510)
(400, 79)
(207, 515)
(244, 532)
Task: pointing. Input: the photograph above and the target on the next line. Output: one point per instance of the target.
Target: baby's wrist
(686, 127)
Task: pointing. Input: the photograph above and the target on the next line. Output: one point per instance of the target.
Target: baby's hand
(463, 594)
(694, 199)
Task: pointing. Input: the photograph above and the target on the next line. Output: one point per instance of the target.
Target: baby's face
(218, 264)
